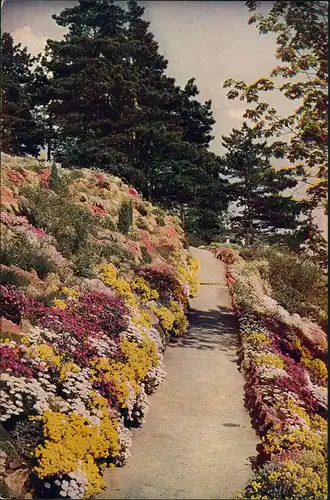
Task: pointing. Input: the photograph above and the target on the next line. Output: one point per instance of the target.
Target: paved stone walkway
(197, 441)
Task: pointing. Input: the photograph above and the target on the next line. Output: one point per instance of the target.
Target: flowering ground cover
(285, 389)
(87, 308)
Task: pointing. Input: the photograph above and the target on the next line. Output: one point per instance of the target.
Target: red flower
(133, 191)
(44, 177)
(97, 210)
(15, 176)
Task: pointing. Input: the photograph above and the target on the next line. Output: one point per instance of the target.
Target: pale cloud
(28, 37)
(236, 114)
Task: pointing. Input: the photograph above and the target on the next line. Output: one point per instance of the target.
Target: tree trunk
(49, 150)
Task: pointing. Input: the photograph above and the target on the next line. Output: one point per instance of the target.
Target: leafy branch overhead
(302, 40)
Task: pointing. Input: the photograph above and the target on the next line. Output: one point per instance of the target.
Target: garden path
(197, 441)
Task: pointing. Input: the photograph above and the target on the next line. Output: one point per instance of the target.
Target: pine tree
(157, 100)
(21, 132)
(90, 92)
(257, 187)
(197, 118)
(114, 107)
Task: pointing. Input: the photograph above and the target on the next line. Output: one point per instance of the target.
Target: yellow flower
(143, 289)
(71, 441)
(269, 360)
(68, 368)
(46, 353)
(69, 292)
(165, 315)
(59, 304)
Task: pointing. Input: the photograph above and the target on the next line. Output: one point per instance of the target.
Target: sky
(208, 40)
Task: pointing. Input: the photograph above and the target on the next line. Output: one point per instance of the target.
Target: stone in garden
(16, 481)
(97, 285)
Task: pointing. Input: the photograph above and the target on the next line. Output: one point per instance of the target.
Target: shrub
(160, 216)
(166, 317)
(115, 250)
(125, 217)
(13, 304)
(28, 435)
(92, 313)
(108, 223)
(61, 217)
(85, 260)
(146, 257)
(180, 323)
(54, 179)
(142, 209)
(226, 255)
(20, 251)
(298, 284)
(283, 480)
(141, 224)
(71, 442)
(11, 277)
(142, 288)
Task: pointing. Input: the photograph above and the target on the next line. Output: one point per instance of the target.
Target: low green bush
(141, 223)
(160, 216)
(298, 284)
(146, 257)
(142, 209)
(20, 252)
(125, 217)
(58, 214)
(11, 277)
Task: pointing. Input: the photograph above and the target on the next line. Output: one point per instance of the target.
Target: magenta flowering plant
(107, 389)
(13, 303)
(296, 382)
(19, 221)
(108, 314)
(12, 361)
(94, 313)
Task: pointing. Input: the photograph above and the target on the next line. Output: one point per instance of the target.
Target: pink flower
(38, 231)
(97, 210)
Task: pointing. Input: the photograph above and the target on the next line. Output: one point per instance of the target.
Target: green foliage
(28, 435)
(85, 259)
(54, 177)
(203, 225)
(141, 223)
(11, 277)
(20, 252)
(113, 250)
(301, 30)
(21, 131)
(108, 223)
(158, 211)
(146, 257)
(142, 209)
(125, 216)
(297, 283)
(160, 216)
(257, 188)
(57, 213)
(148, 130)
(160, 220)
(164, 252)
